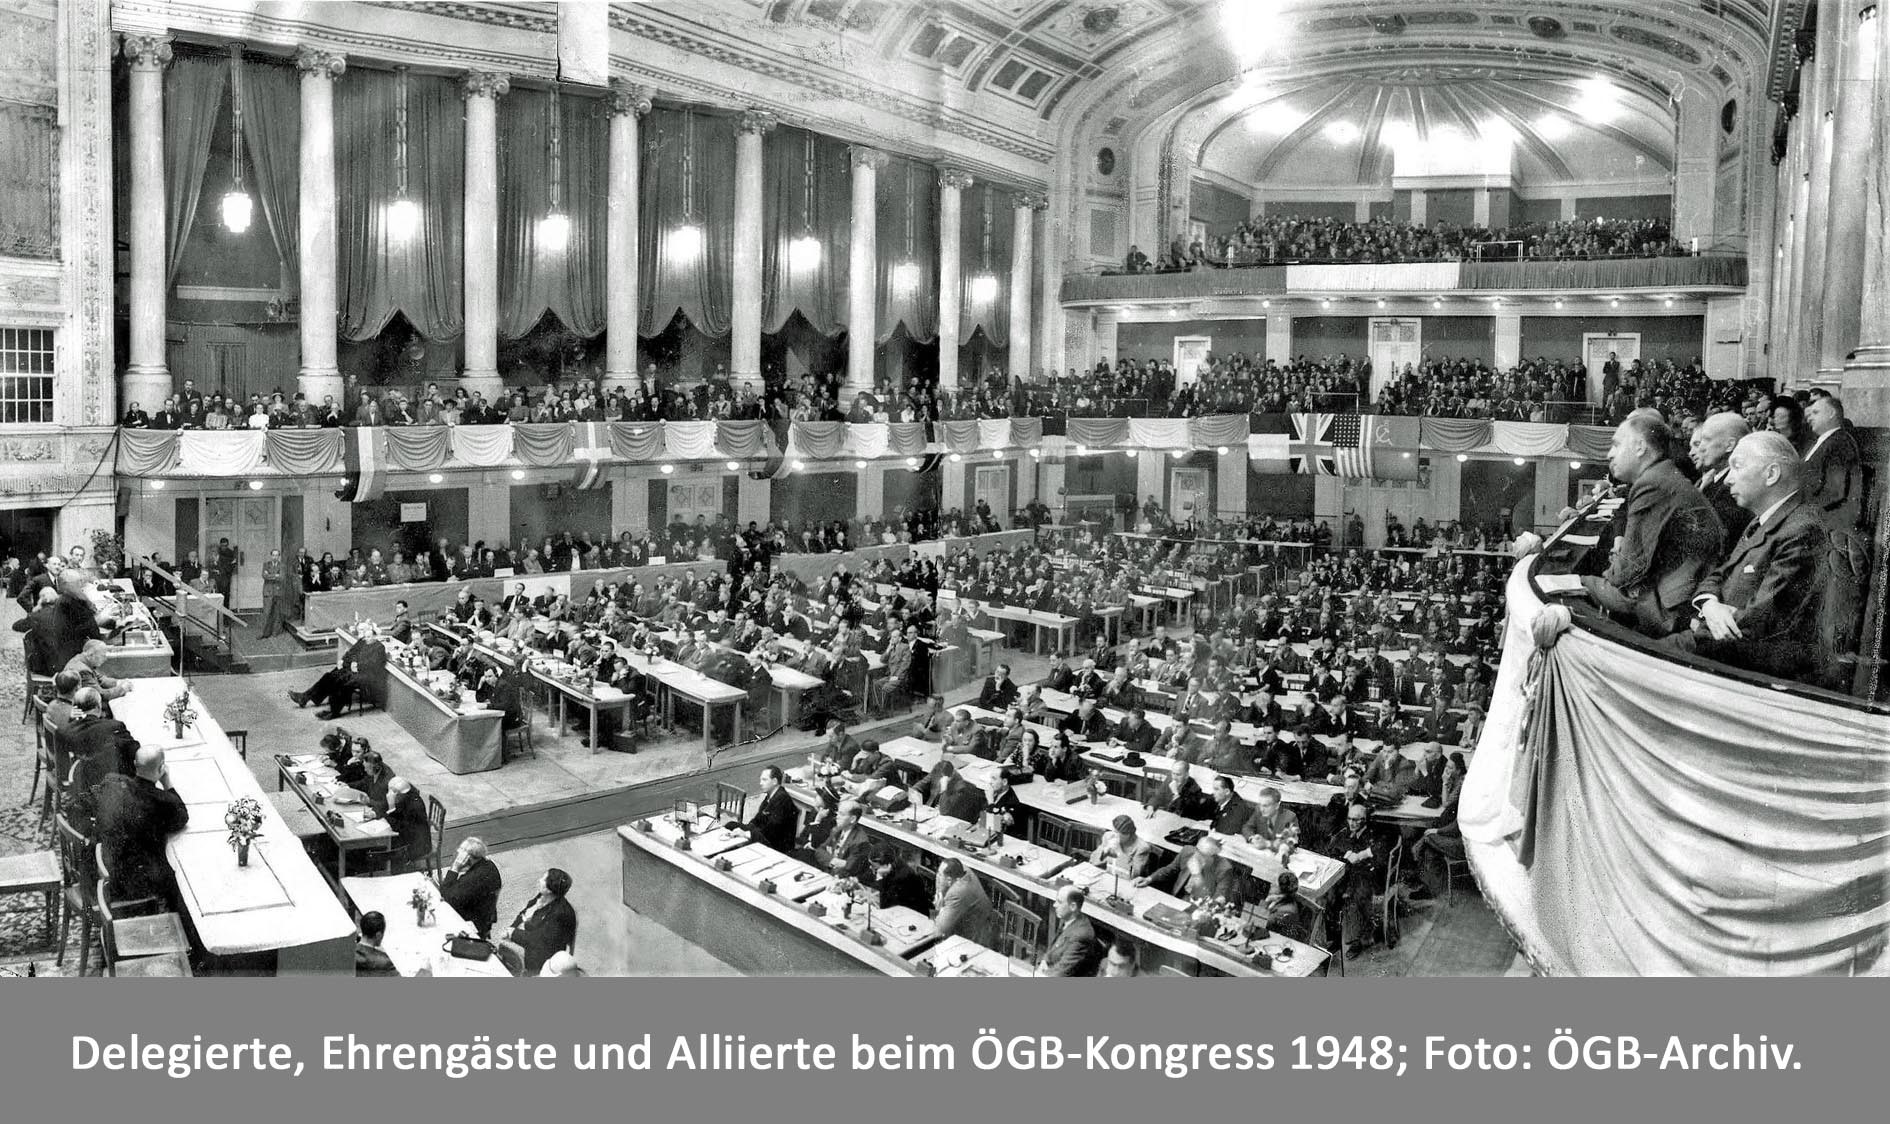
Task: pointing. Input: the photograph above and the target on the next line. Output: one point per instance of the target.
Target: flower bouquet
(244, 818)
(180, 714)
(422, 902)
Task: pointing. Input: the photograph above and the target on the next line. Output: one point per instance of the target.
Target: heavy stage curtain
(537, 276)
(381, 274)
(807, 192)
(984, 251)
(193, 97)
(1631, 815)
(272, 139)
(907, 244)
(687, 184)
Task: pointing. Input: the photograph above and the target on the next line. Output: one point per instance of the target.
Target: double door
(251, 523)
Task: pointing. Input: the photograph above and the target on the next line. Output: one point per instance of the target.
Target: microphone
(1587, 508)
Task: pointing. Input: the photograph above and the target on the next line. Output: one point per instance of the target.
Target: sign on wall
(413, 512)
(690, 498)
(1188, 494)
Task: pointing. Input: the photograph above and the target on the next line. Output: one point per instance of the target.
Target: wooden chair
(141, 946)
(731, 803)
(1082, 841)
(37, 686)
(78, 881)
(36, 872)
(42, 762)
(1022, 930)
(1052, 833)
(436, 828)
(1152, 782)
(517, 738)
(240, 740)
(1451, 867)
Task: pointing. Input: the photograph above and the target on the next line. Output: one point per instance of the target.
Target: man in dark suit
(546, 925)
(100, 746)
(472, 884)
(1711, 445)
(407, 815)
(1832, 480)
(1086, 724)
(999, 692)
(1759, 610)
(369, 958)
(1135, 732)
(1230, 811)
(776, 819)
(1181, 795)
(362, 671)
(1670, 537)
(1074, 950)
(60, 628)
(964, 909)
(1200, 871)
(137, 815)
(1364, 855)
(897, 883)
(848, 850)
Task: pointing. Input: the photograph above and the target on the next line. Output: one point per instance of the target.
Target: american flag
(1353, 439)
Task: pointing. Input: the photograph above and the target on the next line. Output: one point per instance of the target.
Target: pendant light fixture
(554, 230)
(804, 251)
(685, 242)
(984, 286)
(906, 273)
(403, 214)
(238, 207)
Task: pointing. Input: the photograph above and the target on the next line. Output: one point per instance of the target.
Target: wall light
(667, 469)
(1129, 453)
(984, 288)
(956, 458)
(798, 465)
(1221, 451)
(255, 485)
(685, 243)
(905, 278)
(1325, 302)
(436, 478)
(554, 232)
(403, 219)
(803, 255)
(1036, 453)
(912, 462)
(734, 466)
(1436, 303)
(518, 474)
(1518, 462)
(859, 464)
(1574, 464)
(1178, 453)
(997, 454)
(157, 485)
(1405, 455)
(1462, 459)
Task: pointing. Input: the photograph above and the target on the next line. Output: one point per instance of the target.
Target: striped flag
(365, 464)
(1310, 451)
(592, 451)
(1270, 453)
(1353, 439)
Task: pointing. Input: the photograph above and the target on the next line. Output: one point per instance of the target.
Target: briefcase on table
(465, 946)
(891, 798)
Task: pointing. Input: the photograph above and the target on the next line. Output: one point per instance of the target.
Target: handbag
(465, 946)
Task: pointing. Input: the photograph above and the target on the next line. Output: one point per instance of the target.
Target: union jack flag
(1310, 451)
(1335, 445)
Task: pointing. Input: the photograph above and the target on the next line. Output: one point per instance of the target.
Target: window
(26, 375)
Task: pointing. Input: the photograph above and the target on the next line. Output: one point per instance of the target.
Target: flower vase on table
(180, 715)
(244, 818)
(422, 902)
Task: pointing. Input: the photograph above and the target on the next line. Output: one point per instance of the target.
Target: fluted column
(863, 270)
(1867, 375)
(320, 374)
(482, 91)
(623, 298)
(745, 309)
(1819, 123)
(1023, 284)
(952, 183)
(148, 374)
(1850, 161)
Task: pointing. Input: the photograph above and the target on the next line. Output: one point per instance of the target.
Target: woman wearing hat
(1123, 850)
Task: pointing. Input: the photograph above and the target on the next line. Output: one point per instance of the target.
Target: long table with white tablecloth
(465, 738)
(279, 908)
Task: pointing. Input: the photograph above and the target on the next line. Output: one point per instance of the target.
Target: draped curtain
(687, 180)
(272, 139)
(907, 234)
(193, 96)
(419, 277)
(535, 278)
(984, 250)
(807, 191)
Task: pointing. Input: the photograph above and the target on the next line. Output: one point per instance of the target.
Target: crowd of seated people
(1291, 238)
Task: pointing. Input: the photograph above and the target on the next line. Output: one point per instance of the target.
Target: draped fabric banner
(867, 441)
(384, 270)
(807, 187)
(419, 448)
(230, 452)
(905, 439)
(1455, 435)
(146, 452)
(959, 436)
(984, 256)
(689, 440)
(1245, 281)
(906, 243)
(1589, 442)
(484, 445)
(1626, 273)
(686, 220)
(1396, 276)
(364, 455)
(543, 444)
(562, 274)
(636, 442)
(1026, 432)
(1215, 430)
(1095, 432)
(304, 452)
(817, 440)
(193, 104)
(272, 139)
(995, 434)
(1675, 822)
(1159, 433)
(741, 438)
(1530, 439)
(1270, 454)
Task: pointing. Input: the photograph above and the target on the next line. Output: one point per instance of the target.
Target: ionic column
(148, 374)
(1023, 267)
(952, 183)
(1866, 386)
(745, 307)
(482, 91)
(1850, 160)
(862, 270)
(623, 300)
(320, 374)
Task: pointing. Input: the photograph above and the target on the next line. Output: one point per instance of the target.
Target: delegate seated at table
(136, 816)
(545, 926)
(471, 886)
(89, 666)
(407, 817)
(1074, 949)
(964, 910)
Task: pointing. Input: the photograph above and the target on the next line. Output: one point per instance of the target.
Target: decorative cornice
(954, 177)
(148, 52)
(484, 84)
(758, 121)
(861, 156)
(314, 62)
(627, 100)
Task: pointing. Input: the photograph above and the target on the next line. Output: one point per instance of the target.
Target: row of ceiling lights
(1436, 302)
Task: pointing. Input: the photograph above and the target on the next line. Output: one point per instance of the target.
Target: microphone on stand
(1612, 491)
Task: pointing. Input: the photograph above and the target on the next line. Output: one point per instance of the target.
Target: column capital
(954, 177)
(484, 84)
(314, 62)
(147, 52)
(626, 100)
(758, 121)
(1032, 201)
(861, 156)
